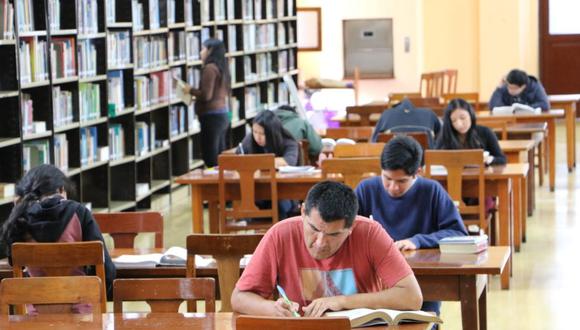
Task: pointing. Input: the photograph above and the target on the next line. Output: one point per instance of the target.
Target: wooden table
(157, 321)
(568, 103)
(522, 151)
(548, 117)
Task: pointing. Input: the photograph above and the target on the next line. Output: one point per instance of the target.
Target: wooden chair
(246, 166)
(358, 150)
(420, 137)
(164, 295)
(497, 125)
(450, 81)
(455, 161)
(395, 98)
(363, 112)
(433, 83)
(246, 322)
(45, 291)
(124, 226)
(357, 133)
(60, 259)
(304, 155)
(228, 250)
(353, 170)
(471, 98)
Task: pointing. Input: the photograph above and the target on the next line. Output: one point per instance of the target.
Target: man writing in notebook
(327, 259)
(416, 212)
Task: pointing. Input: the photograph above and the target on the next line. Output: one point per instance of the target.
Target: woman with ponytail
(42, 213)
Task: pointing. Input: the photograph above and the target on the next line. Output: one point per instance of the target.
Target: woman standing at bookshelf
(42, 213)
(211, 106)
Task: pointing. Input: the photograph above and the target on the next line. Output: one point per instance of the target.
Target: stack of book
(463, 244)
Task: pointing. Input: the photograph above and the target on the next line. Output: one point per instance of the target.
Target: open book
(365, 317)
(297, 169)
(174, 256)
(516, 108)
(181, 95)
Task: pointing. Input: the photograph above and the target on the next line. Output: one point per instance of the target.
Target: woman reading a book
(42, 213)
(460, 131)
(269, 136)
(211, 100)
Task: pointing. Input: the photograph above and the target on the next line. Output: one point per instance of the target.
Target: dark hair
(449, 137)
(402, 153)
(517, 77)
(41, 181)
(217, 55)
(274, 131)
(334, 201)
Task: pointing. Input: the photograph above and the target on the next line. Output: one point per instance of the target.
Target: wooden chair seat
(51, 293)
(60, 259)
(124, 226)
(164, 295)
(246, 322)
(228, 250)
(353, 170)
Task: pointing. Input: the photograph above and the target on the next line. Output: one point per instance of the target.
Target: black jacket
(533, 95)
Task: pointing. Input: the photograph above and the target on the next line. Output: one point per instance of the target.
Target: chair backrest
(364, 112)
(358, 150)
(164, 295)
(395, 98)
(499, 126)
(44, 291)
(450, 78)
(421, 137)
(246, 322)
(471, 98)
(433, 82)
(353, 170)
(455, 161)
(246, 166)
(61, 259)
(228, 250)
(124, 226)
(304, 154)
(357, 133)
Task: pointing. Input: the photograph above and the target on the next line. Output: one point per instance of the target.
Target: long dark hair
(449, 137)
(41, 181)
(274, 131)
(217, 55)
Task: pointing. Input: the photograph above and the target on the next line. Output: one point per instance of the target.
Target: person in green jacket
(299, 128)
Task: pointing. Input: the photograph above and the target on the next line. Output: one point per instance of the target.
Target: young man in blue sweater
(416, 212)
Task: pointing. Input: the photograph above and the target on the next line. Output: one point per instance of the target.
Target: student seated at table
(300, 129)
(404, 117)
(268, 136)
(42, 213)
(327, 259)
(460, 131)
(519, 87)
(416, 212)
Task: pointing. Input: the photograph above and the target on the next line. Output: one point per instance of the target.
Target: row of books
(61, 151)
(87, 58)
(285, 34)
(33, 60)
(54, 14)
(115, 91)
(264, 67)
(145, 136)
(118, 48)
(27, 110)
(286, 60)
(63, 57)
(111, 11)
(177, 120)
(35, 153)
(87, 16)
(150, 52)
(89, 145)
(25, 15)
(62, 105)
(152, 90)
(6, 20)
(176, 46)
(259, 36)
(89, 101)
(116, 141)
(137, 9)
(193, 46)
(259, 9)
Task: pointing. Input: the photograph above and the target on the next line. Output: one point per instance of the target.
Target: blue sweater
(424, 214)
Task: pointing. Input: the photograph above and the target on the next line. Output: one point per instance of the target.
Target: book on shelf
(6, 20)
(192, 41)
(61, 151)
(176, 46)
(111, 11)
(54, 14)
(204, 6)
(27, 110)
(35, 153)
(87, 16)
(138, 16)
(33, 60)
(154, 22)
(87, 58)
(515, 109)
(219, 10)
(115, 91)
(118, 48)
(171, 11)
(142, 188)
(89, 101)
(463, 244)
(116, 141)
(177, 119)
(62, 104)
(25, 15)
(63, 57)
(365, 317)
(7, 189)
(89, 145)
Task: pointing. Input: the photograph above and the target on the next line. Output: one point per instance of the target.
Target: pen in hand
(285, 297)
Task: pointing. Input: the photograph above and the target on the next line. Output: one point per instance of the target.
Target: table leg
(570, 110)
(482, 291)
(213, 217)
(524, 203)
(552, 152)
(531, 184)
(470, 312)
(504, 226)
(196, 209)
(517, 213)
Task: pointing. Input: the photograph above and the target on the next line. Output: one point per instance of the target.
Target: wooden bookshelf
(81, 108)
